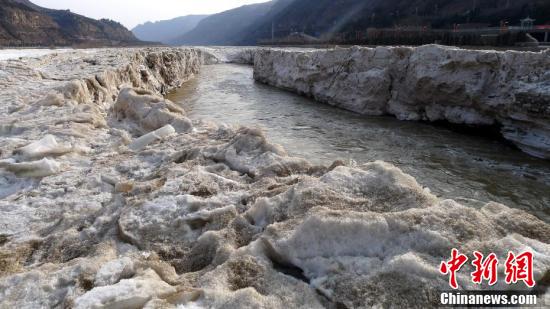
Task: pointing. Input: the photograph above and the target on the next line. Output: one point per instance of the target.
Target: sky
(133, 12)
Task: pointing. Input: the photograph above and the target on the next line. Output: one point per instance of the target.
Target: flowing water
(467, 168)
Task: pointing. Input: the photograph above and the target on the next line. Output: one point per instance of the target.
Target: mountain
(29, 4)
(322, 17)
(249, 24)
(167, 30)
(23, 23)
(226, 28)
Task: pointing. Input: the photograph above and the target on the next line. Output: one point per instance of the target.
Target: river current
(470, 169)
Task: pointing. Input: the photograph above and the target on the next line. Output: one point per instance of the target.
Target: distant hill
(321, 17)
(226, 28)
(23, 23)
(166, 31)
(249, 24)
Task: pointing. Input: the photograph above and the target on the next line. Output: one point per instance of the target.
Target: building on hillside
(527, 23)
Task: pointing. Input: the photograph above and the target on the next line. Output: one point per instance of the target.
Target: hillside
(322, 17)
(166, 30)
(226, 28)
(249, 24)
(23, 23)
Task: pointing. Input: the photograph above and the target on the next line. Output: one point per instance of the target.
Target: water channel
(471, 169)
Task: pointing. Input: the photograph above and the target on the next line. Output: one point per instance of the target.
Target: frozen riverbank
(464, 167)
(6, 54)
(93, 214)
(431, 83)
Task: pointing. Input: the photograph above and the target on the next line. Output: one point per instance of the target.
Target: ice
(194, 214)
(6, 54)
(112, 272)
(46, 147)
(225, 54)
(128, 293)
(426, 83)
(148, 138)
(55, 99)
(42, 168)
(149, 111)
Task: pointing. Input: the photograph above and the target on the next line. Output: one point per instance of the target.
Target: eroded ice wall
(227, 54)
(431, 83)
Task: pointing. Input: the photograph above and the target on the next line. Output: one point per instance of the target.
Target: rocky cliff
(429, 83)
(25, 24)
(111, 197)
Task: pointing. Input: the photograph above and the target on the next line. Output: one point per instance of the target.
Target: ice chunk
(45, 147)
(113, 271)
(142, 142)
(130, 293)
(149, 111)
(42, 168)
(53, 99)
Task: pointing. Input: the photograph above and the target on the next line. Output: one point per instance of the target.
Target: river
(470, 169)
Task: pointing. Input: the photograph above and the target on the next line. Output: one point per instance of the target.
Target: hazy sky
(133, 12)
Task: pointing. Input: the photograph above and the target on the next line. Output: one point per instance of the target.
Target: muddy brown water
(470, 169)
